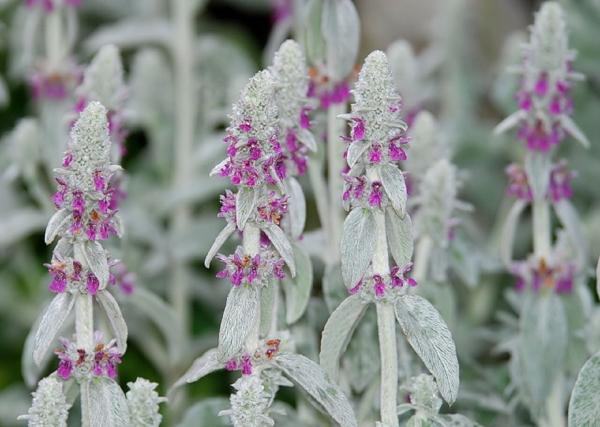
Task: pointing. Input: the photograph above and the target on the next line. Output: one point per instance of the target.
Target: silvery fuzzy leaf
(297, 291)
(358, 245)
(355, 151)
(573, 130)
(281, 243)
(510, 122)
(537, 167)
(217, 168)
(30, 370)
(541, 348)
(296, 207)
(267, 299)
(314, 381)
(399, 236)
(115, 317)
(361, 361)
(202, 366)
(245, 203)
(428, 335)
(219, 241)
(395, 187)
(239, 318)
(334, 291)
(57, 224)
(508, 231)
(307, 138)
(93, 256)
(103, 404)
(572, 223)
(205, 414)
(340, 26)
(314, 41)
(583, 406)
(337, 333)
(50, 323)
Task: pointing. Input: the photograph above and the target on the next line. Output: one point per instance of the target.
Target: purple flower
(518, 185)
(246, 270)
(92, 284)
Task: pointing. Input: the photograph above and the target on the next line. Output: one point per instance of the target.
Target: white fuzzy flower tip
(403, 63)
(256, 107)
(143, 401)
(90, 143)
(103, 78)
(549, 41)
(291, 74)
(249, 405)
(49, 407)
(428, 147)
(437, 200)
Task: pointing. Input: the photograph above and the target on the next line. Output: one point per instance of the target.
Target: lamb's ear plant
(377, 227)
(267, 142)
(548, 349)
(87, 214)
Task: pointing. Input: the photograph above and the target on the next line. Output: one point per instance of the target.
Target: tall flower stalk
(378, 226)
(265, 145)
(87, 214)
(556, 266)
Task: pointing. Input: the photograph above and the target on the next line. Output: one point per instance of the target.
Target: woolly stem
(182, 48)
(422, 258)
(320, 192)
(54, 38)
(335, 160)
(84, 321)
(386, 326)
(541, 229)
(251, 243)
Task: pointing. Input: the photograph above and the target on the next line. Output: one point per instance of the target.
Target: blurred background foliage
(463, 48)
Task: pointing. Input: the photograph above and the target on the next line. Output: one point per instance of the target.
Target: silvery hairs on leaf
(337, 333)
(103, 404)
(340, 26)
(238, 320)
(315, 382)
(427, 145)
(50, 324)
(49, 407)
(103, 78)
(143, 402)
(358, 245)
(583, 406)
(429, 336)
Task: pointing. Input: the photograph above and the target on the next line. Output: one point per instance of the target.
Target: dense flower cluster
(246, 270)
(270, 207)
(54, 84)
(68, 275)
(539, 274)
(255, 154)
(326, 91)
(86, 188)
(377, 287)
(143, 402)
(103, 82)
(559, 186)
(291, 77)
(49, 407)
(545, 103)
(82, 364)
(121, 277)
(377, 132)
